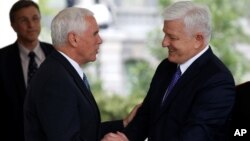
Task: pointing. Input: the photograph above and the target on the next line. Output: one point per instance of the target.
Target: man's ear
(199, 39)
(72, 39)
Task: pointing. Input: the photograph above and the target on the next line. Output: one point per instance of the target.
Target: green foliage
(114, 106)
(164, 2)
(228, 32)
(139, 73)
(154, 43)
(45, 9)
(48, 11)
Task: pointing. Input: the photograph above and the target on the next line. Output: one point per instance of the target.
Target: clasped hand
(118, 136)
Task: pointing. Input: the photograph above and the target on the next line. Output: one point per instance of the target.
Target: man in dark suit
(197, 107)
(14, 61)
(59, 105)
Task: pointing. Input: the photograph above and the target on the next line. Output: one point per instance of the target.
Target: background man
(17, 68)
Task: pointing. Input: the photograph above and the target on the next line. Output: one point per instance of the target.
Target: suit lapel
(16, 71)
(162, 84)
(79, 82)
(179, 86)
(187, 77)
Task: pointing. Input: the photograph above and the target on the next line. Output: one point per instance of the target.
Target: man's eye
(35, 18)
(23, 20)
(173, 38)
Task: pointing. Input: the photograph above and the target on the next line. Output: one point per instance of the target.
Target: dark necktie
(86, 83)
(32, 68)
(175, 78)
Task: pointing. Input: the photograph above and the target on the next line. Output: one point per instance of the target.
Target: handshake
(119, 136)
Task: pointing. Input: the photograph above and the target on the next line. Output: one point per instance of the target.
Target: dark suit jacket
(59, 107)
(241, 113)
(197, 109)
(13, 89)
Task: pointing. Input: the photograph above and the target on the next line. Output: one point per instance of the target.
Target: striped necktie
(33, 67)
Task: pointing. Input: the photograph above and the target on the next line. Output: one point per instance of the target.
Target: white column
(111, 69)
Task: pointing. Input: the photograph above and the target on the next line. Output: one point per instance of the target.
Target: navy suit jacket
(197, 108)
(59, 107)
(13, 90)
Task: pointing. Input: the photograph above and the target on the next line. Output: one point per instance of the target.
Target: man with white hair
(192, 92)
(59, 105)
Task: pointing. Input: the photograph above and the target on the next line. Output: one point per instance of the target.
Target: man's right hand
(131, 115)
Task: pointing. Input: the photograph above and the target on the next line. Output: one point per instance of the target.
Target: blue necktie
(175, 78)
(32, 68)
(85, 80)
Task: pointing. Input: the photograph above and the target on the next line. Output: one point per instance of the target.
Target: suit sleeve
(110, 126)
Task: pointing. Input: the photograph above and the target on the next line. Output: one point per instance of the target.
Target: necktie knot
(32, 55)
(177, 73)
(32, 68)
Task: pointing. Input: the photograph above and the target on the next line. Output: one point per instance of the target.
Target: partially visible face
(27, 24)
(89, 42)
(181, 46)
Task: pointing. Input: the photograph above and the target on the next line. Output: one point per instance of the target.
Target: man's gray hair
(197, 18)
(68, 20)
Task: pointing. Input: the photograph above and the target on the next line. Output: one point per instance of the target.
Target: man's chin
(173, 60)
(32, 39)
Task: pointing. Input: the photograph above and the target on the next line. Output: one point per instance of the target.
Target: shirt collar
(74, 64)
(185, 65)
(37, 50)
